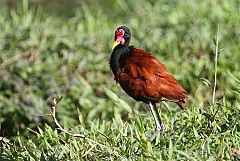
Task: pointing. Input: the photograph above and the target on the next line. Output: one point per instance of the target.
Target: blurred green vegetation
(63, 48)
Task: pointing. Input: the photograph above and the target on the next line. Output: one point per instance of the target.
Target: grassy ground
(43, 54)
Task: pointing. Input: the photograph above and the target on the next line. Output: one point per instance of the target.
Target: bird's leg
(157, 118)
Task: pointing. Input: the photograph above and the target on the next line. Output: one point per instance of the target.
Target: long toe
(160, 129)
(152, 136)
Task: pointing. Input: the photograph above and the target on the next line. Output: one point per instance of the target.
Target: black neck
(119, 54)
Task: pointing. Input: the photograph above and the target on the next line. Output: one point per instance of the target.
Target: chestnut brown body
(146, 79)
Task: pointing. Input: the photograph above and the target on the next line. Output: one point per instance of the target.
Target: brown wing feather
(144, 77)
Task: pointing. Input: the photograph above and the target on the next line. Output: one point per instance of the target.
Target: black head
(122, 37)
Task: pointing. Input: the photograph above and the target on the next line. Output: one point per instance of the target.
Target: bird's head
(122, 37)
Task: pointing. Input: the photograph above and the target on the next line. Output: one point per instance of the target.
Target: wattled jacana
(142, 76)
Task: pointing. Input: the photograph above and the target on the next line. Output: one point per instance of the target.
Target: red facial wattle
(119, 36)
(120, 39)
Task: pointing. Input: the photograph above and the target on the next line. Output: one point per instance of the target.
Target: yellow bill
(115, 44)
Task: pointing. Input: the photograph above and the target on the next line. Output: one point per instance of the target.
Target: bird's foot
(159, 130)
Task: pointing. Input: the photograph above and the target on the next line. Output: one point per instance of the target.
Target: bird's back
(145, 79)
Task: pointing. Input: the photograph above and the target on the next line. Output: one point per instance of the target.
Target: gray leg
(157, 118)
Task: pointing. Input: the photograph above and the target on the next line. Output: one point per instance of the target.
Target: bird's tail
(180, 104)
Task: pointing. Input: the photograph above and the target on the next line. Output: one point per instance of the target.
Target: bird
(143, 77)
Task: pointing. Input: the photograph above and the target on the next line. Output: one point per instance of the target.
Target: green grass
(43, 54)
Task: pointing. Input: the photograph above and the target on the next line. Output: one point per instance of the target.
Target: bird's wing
(147, 77)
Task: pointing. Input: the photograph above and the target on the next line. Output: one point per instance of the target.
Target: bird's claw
(159, 130)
